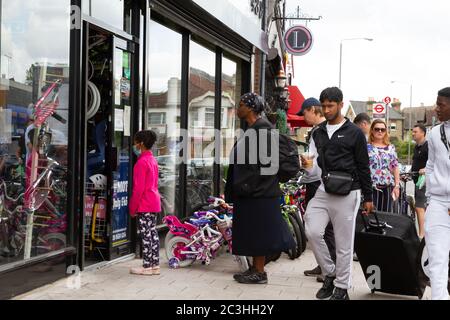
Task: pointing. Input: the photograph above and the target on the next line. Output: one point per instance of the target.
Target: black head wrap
(253, 101)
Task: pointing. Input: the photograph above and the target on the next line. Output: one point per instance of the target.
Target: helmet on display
(99, 181)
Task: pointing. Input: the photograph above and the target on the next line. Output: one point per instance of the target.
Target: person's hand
(396, 193)
(422, 171)
(368, 207)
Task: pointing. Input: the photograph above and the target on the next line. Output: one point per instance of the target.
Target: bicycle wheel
(173, 250)
(272, 257)
(301, 226)
(296, 251)
(243, 263)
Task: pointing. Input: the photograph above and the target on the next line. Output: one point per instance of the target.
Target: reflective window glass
(201, 132)
(231, 90)
(34, 91)
(163, 110)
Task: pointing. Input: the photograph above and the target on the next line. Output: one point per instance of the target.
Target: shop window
(33, 146)
(231, 89)
(201, 139)
(163, 110)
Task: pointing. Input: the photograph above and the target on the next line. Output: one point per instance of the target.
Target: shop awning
(297, 99)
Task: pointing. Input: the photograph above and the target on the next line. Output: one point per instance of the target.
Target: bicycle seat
(199, 222)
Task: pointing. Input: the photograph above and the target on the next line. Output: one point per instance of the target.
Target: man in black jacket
(339, 146)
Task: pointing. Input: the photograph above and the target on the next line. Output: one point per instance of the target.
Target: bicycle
(199, 239)
(50, 235)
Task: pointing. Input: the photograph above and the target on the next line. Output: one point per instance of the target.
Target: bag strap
(444, 140)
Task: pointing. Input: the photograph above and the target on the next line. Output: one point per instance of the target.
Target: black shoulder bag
(335, 182)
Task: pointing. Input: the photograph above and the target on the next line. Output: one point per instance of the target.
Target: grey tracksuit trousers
(341, 211)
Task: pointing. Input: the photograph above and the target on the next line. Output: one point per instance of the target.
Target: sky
(411, 45)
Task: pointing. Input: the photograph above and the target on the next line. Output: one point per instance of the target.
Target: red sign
(387, 100)
(379, 108)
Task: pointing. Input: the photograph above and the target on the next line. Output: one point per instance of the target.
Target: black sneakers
(327, 288)
(340, 294)
(245, 273)
(252, 278)
(314, 272)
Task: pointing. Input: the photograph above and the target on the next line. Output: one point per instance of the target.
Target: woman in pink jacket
(145, 201)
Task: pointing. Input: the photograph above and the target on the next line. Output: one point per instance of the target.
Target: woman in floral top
(383, 167)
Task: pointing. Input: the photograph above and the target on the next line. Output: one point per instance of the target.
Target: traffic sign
(387, 100)
(379, 110)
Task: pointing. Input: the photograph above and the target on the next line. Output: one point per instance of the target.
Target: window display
(34, 86)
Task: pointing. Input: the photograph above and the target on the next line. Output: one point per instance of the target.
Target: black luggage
(388, 243)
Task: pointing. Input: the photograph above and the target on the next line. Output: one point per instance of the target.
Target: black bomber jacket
(346, 151)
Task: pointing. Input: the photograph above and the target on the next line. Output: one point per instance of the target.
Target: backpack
(289, 163)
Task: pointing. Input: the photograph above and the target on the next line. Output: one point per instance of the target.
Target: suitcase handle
(370, 226)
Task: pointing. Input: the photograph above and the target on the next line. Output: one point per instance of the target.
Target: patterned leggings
(150, 239)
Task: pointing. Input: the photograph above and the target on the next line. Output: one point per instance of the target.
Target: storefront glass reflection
(201, 126)
(231, 90)
(163, 110)
(116, 13)
(34, 84)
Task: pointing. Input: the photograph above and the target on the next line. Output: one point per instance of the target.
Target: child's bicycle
(199, 239)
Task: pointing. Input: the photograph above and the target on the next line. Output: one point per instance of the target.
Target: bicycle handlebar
(3, 184)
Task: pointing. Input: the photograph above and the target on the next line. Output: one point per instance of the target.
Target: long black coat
(247, 180)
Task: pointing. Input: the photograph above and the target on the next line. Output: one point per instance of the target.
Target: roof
(359, 106)
(426, 115)
(200, 83)
(394, 114)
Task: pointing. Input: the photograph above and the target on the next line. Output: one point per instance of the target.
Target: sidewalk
(201, 282)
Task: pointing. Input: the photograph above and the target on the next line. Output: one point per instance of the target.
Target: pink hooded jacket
(145, 196)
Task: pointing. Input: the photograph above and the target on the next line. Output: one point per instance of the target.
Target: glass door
(120, 163)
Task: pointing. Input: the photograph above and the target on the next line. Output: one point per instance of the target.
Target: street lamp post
(410, 118)
(340, 56)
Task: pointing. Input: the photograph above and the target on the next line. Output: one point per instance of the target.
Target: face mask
(136, 151)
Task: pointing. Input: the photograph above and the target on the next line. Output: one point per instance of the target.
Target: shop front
(78, 79)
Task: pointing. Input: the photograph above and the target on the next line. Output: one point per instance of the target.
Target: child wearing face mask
(145, 201)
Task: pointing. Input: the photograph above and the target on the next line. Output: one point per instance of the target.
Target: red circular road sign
(379, 108)
(298, 40)
(387, 100)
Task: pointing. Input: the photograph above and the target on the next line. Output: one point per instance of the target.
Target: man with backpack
(341, 160)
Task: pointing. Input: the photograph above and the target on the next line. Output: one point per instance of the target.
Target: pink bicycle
(199, 240)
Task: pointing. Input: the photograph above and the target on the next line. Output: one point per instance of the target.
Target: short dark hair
(147, 137)
(361, 117)
(421, 127)
(444, 92)
(333, 94)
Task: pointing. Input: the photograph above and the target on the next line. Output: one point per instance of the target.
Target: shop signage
(120, 202)
(257, 7)
(298, 40)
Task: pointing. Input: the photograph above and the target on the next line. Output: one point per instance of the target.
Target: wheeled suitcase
(387, 246)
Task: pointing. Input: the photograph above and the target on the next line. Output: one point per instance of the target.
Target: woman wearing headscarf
(258, 226)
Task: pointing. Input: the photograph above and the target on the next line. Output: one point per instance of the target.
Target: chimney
(173, 92)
